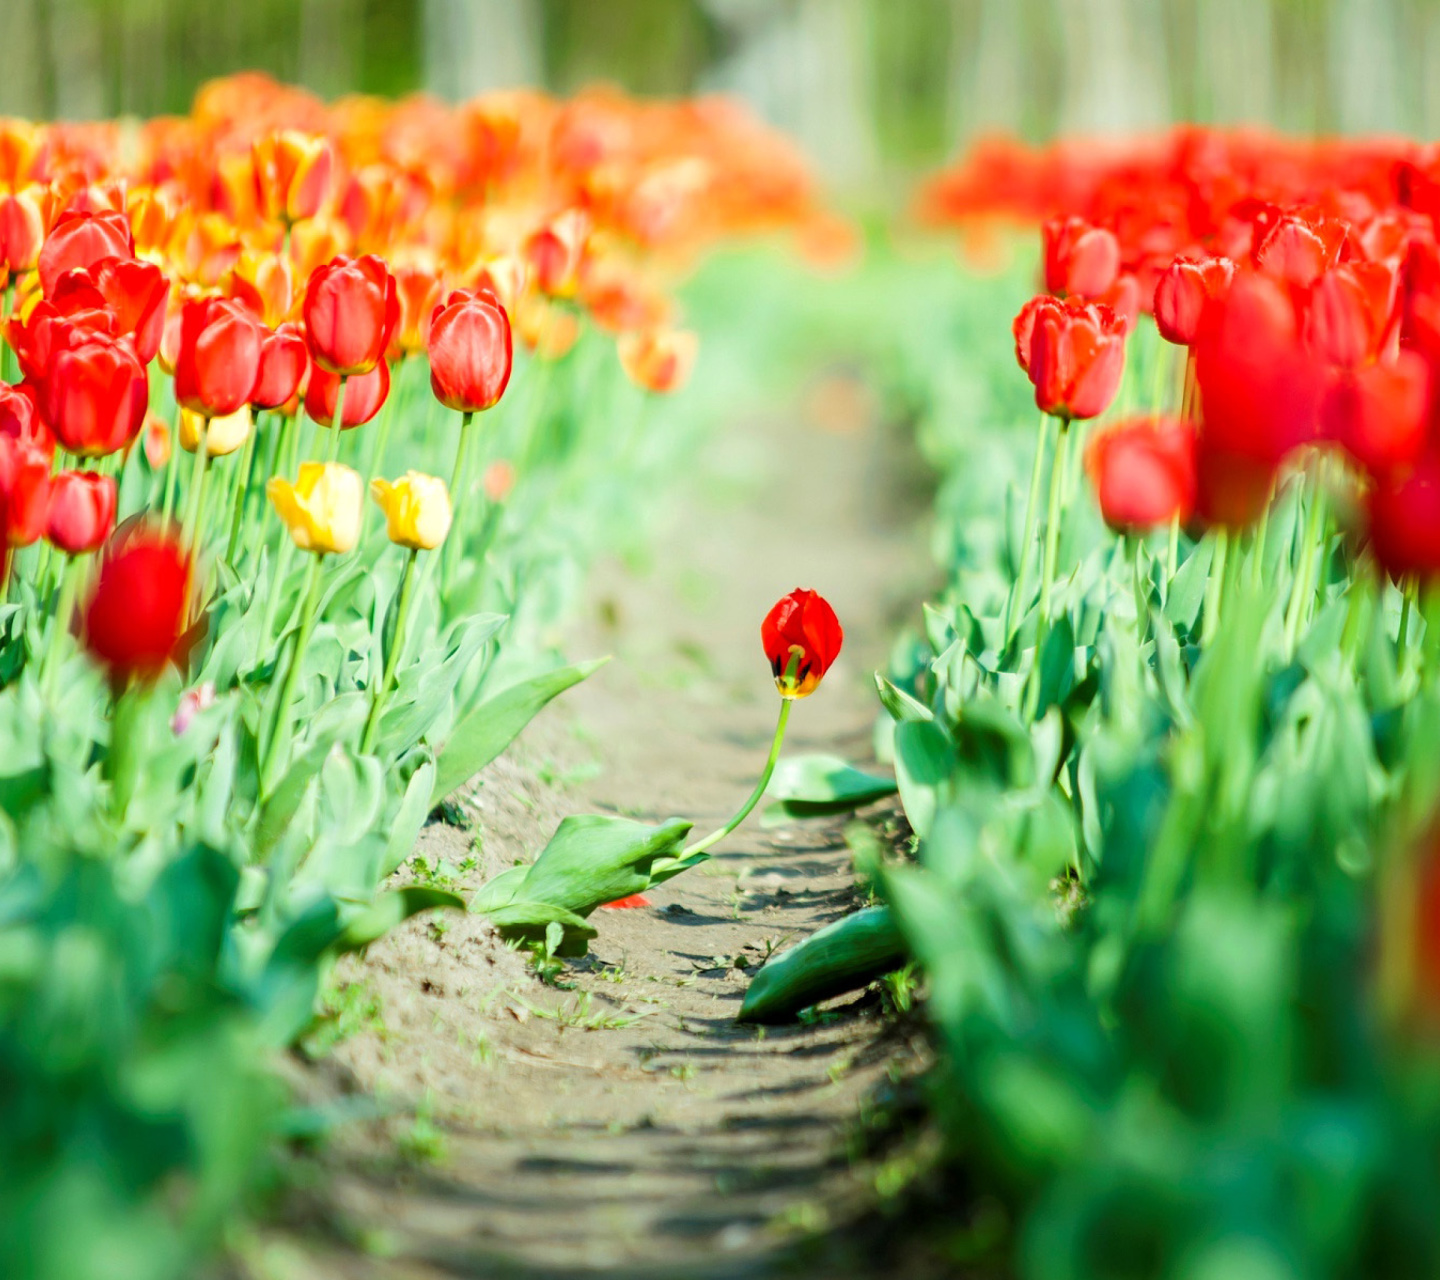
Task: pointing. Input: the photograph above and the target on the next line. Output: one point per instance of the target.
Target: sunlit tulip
(1080, 259)
(223, 435)
(134, 291)
(1073, 352)
(470, 351)
(417, 509)
(419, 290)
(659, 360)
(351, 309)
(554, 253)
(137, 611)
(264, 282)
(292, 174)
(23, 218)
(1182, 291)
(365, 394)
(284, 361)
(81, 240)
(81, 512)
(322, 509)
(219, 356)
(801, 637)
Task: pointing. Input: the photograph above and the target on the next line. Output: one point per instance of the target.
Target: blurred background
(873, 89)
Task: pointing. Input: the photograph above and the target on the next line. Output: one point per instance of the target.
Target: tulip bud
(419, 291)
(223, 436)
(417, 509)
(284, 361)
(136, 614)
(22, 228)
(218, 359)
(365, 394)
(1080, 259)
(1143, 471)
(471, 351)
(658, 360)
(24, 493)
(1073, 352)
(801, 637)
(292, 174)
(351, 309)
(82, 511)
(95, 395)
(322, 508)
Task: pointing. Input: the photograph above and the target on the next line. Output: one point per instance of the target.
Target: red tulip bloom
(1143, 471)
(1074, 353)
(1299, 246)
(292, 174)
(1379, 413)
(135, 617)
(20, 418)
(1353, 313)
(554, 253)
(22, 228)
(1405, 522)
(351, 309)
(802, 630)
(82, 511)
(1231, 489)
(138, 293)
(284, 360)
(95, 394)
(471, 351)
(218, 360)
(81, 240)
(365, 393)
(24, 494)
(1080, 259)
(1182, 291)
(420, 292)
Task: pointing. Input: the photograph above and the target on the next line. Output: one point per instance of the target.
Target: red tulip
(1079, 259)
(20, 418)
(80, 240)
(554, 253)
(82, 511)
(1353, 313)
(284, 359)
(470, 351)
(801, 629)
(135, 617)
(1231, 489)
(1182, 291)
(1405, 522)
(137, 292)
(365, 393)
(22, 228)
(1143, 471)
(1299, 246)
(292, 174)
(419, 292)
(351, 309)
(1074, 353)
(218, 360)
(24, 493)
(95, 394)
(1379, 413)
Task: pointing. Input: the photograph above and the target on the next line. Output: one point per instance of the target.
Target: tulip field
(319, 426)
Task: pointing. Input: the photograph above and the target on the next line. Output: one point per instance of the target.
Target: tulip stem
(1052, 522)
(457, 503)
(1211, 622)
(337, 424)
(700, 846)
(196, 497)
(1172, 554)
(382, 434)
(172, 468)
(292, 672)
(244, 475)
(381, 691)
(60, 624)
(1302, 585)
(1016, 599)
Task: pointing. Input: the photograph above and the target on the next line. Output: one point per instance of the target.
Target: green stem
(381, 691)
(1172, 555)
(292, 672)
(1140, 585)
(458, 493)
(172, 468)
(1016, 599)
(60, 623)
(382, 430)
(337, 424)
(1213, 588)
(1402, 636)
(1052, 521)
(278, 461)
(196, 496)
(126, 759)
(245, 475)
(700, 846)
(1302, 586)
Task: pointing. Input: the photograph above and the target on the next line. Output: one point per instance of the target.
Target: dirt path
(623, 1121)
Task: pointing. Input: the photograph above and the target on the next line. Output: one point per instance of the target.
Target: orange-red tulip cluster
(1302, 276)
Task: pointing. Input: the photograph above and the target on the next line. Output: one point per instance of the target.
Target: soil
(616, 1118)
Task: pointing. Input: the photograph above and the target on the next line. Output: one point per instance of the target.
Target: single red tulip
(365, 393)
(802, 630)
(1080, 259)
(20, 418)
(1379, 413)
(80, 240)
(1299, 246)
(82, 511)
(284, 360)
(471, 351)
(1182, 291)
(22, 228)
(218, 360)
(136, 613)
(95, 394)
(24, 493)
(1143, 471)
(351, 309)
(1073, 352)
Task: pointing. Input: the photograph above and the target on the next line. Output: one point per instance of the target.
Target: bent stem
(714, 838)
(392, 659)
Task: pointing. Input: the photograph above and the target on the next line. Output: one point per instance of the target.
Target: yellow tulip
(322, 508)
(223, 436)
(417, 509)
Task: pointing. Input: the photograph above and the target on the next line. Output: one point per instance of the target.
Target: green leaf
(497, 722)
(925, 760)
(813, 786)
(392, 909)
(899, 703)
(841, 957)
(593, 859)
(406, 824)
(1187, 588)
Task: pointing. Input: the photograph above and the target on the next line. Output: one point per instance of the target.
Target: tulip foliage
(286, 392)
